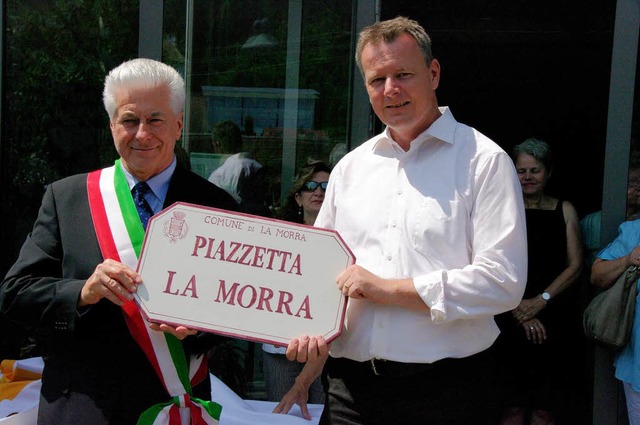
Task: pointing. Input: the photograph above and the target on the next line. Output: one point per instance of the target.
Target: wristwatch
(546, 296)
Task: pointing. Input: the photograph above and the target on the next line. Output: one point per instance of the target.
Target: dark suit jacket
(95, 373)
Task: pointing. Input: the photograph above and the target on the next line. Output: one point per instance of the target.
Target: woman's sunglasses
(312, 186)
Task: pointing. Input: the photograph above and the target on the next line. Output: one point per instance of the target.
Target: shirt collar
(159, 184)
(443, 129)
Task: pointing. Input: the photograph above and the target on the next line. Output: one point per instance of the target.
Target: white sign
(241, 275)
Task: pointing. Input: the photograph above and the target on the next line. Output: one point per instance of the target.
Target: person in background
(538, 336)
(337, 153)
(610, 263)
(590, 224)
(284, 378)
(77, 289)
(240, 175)
(433, 213)
(305, 197)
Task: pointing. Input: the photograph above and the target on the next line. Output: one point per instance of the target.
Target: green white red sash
(120, 235)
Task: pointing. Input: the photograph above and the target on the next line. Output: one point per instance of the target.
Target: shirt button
(399, 192)
(389, 257)
(393, 224)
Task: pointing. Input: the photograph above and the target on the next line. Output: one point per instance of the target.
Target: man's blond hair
(388, 31)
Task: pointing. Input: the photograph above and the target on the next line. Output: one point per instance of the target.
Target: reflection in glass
(276, 70)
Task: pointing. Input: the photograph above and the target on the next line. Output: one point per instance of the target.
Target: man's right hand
(317, 352)
(307, 348)
(112, 280)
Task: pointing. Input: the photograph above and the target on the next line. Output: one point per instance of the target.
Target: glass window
(53, 121)
(273, 77)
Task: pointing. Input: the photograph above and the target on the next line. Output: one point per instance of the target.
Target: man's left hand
(180, 332)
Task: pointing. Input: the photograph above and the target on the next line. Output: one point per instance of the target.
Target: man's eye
(155, 121)
(129, 122)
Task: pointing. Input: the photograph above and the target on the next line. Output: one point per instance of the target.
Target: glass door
(270, 80)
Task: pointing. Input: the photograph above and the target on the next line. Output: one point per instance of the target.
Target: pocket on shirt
(437, 227)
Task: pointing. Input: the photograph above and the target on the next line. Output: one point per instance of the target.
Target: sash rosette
(120, 235)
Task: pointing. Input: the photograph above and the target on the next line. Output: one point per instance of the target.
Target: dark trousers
(446, 392)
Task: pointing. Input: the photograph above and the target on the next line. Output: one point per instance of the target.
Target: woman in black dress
(538, 337)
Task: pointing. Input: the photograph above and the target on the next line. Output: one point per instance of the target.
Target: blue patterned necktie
(144, 210)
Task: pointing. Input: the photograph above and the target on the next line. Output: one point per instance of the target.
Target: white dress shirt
(234, 174)
(449, 214)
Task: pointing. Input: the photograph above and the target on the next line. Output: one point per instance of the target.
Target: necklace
(540, 203)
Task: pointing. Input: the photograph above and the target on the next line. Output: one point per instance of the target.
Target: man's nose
(143, 131)
(390, 87)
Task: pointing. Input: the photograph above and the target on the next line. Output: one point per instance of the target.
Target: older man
(74, 279)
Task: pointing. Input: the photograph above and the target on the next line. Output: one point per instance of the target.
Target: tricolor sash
(120, 235)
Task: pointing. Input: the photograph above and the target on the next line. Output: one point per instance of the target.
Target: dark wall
(522, 69)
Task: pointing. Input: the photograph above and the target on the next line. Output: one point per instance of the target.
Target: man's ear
(434, 70)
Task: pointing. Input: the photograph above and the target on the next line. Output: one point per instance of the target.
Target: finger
(118, 289)
(292, 349)
(536, 336)
(313, 349)
(180, 332)
(109, 291)
(286, 407)
(113, 298)
(122, 273)
(91, 292)
(183, 333)
(341, 279)
(343, 284)
(543, 332)
(305, 411)
(129, 279)
(323, 347)
(529, 331)
(345, 276)
(303, 349)
(279, 407)
(186, 331)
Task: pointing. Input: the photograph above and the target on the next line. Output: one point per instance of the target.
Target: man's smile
(398, 105)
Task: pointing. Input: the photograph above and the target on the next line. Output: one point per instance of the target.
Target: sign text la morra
(245, 295)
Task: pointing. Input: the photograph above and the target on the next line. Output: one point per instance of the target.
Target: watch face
(546, 296)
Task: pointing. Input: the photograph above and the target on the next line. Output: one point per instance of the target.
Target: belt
(380, 367)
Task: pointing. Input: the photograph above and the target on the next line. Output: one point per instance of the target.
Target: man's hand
(180, 332)
(299, 392)
(307, 348)
(358, 282)
(111, 280)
